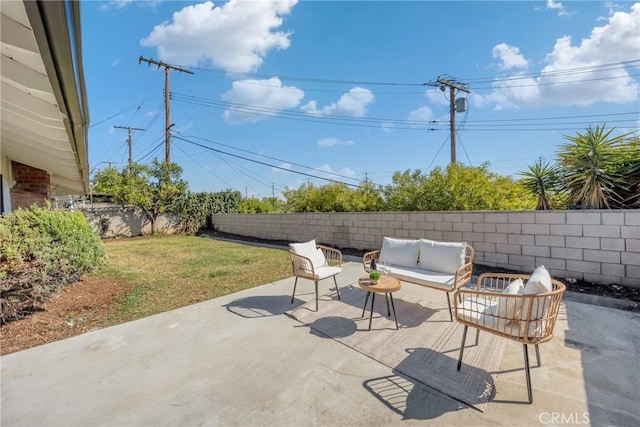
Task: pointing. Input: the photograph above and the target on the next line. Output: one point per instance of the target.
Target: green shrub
(41, 250)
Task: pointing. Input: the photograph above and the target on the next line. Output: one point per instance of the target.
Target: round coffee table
(387, 285)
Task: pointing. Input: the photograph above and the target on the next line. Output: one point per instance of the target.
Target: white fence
(600, 246)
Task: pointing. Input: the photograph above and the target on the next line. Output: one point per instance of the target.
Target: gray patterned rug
(425, 348)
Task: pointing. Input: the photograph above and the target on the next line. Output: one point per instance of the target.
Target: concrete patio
(239, 360)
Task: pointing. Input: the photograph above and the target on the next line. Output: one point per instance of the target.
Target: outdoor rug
(425, 348)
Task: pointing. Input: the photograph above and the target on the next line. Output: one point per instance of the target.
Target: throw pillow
(539, 282)
(442, 257)
(399, 252)
(309, 250)
(509, 308)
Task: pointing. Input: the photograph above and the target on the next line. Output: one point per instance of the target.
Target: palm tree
(590, 175)
(542, 179)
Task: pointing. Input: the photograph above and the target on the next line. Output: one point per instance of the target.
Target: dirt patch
(78, 308)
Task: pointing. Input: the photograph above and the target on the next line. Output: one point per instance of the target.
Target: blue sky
(288, 93)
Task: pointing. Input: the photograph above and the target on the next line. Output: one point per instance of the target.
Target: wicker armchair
(524, 318)
(314, 262)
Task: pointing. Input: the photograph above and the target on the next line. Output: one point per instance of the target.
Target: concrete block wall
(600, 246)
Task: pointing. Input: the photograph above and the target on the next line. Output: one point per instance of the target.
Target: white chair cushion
(326, 271)
(400, 252)
(509, 308)
(444, 257)
(309, 250)
(479, 311)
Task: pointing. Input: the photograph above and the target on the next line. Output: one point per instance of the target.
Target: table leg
(395, 317)
(373, 298)
(365, 304)
(386, 298)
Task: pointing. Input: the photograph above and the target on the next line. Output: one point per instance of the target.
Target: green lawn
(168, 272)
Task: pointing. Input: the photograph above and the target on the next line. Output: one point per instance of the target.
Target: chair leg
(526, 367)
(449, 304)
(336, 282)
(316, 295)
(538, 355)
(477, 335)
(464, 337)
(294, 290)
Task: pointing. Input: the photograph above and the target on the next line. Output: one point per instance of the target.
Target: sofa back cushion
(443, 257)
(400, 252)
(309, 250)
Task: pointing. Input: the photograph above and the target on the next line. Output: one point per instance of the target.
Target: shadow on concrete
(260, 306)
(411, 399)
(609, 348)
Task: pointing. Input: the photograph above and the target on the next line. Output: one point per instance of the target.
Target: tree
(543, 180)
(266, 205)
(456, 188)
(334, 197)
(592, 174)
(156, 188)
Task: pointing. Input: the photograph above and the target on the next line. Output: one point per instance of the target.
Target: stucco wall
(601, 246)
(128, 222)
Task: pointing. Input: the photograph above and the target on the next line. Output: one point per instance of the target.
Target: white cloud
(286, 166)
(422, 114)
(387, 127)
(259, 99)
(345, 171)
(331, 142)
(510, 57)
(552, 5)
(353, 103)
(614, 42)
(436, 96)
(235, 36)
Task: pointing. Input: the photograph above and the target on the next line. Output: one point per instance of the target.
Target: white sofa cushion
(443, 257)
(509, 308)
(417, 276)
(309, 250)
(399, 252)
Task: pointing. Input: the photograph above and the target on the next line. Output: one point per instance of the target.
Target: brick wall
(601, 246)
(32, 186)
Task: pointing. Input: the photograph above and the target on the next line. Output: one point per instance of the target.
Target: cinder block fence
(601, 246)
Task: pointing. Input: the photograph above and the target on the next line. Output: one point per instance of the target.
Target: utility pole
(129, 140)
(454, 87)
(273, 191)
(167, 67)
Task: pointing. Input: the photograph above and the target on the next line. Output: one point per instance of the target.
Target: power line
(266, 164)
(271, 158)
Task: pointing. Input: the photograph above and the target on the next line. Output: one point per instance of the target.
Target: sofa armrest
(367, 258)
(332, 255)
(463, 275)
